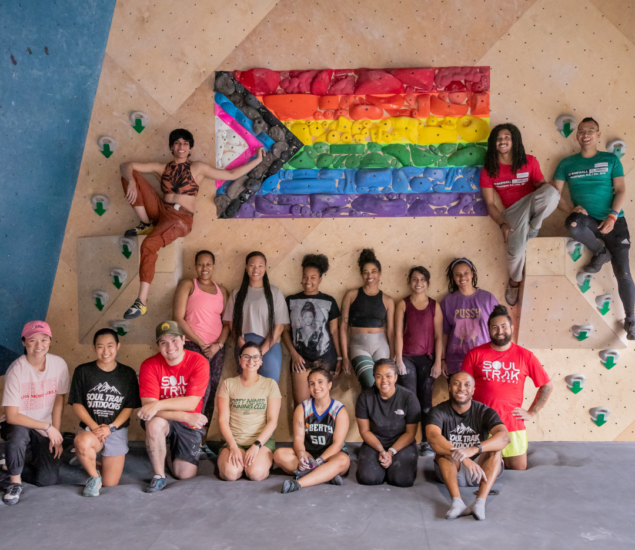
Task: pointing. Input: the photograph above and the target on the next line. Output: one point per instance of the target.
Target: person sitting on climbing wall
(172, 387)
(166, 219)
(597, 193)
(467, 438)
(370, 315)
(527, 199)
(500, 368)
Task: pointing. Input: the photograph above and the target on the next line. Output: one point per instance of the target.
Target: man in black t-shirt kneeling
(459, 431)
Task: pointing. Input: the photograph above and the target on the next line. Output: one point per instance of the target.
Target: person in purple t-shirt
(466, 310)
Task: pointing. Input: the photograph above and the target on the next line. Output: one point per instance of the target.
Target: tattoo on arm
(541, 398)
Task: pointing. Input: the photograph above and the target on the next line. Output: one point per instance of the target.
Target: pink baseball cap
(36, 327)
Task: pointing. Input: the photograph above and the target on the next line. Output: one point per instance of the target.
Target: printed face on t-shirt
(309, 318)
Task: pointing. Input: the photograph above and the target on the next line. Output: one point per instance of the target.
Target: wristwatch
(479, 447)
(393, 451)
(113, 428)
(220, 345)
(47, 429)
(258, 444)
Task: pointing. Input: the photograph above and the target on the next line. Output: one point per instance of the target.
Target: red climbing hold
(457, 98)
(305, 79)
(347, 101)
(377, 82)
(420, 78)
(423, 106)
(411, 99)
(345, 86)
(360, 112)
(259, 81)
(443, 109)
(321, 82)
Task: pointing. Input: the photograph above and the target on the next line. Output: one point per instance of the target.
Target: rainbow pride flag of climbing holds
(362, 142)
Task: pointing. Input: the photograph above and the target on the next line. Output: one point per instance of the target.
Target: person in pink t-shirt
(499, 369)
(34, 390)
(527, 199)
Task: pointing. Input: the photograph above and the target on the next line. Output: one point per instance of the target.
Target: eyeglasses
(249, 358)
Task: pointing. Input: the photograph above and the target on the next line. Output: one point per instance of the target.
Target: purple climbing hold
(268, 208)
(463, 202)
(442, 199)
(379, 205)
(324, 201)
(420, 208)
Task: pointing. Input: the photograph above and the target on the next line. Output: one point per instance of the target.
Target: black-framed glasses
(254, 358)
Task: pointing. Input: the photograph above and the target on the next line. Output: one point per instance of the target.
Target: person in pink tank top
(419, 343)
(198, 308)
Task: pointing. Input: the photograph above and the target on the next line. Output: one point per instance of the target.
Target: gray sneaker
(92, 486)
(511, 294)
(12, 494)
(597, 261)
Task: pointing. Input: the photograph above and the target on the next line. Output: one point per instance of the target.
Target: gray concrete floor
(575, 495)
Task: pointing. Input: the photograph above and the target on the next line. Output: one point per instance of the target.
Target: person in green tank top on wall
(597, 189)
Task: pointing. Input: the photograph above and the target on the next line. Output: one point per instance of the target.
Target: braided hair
(449, 273)
(519, 158)
(237, 324)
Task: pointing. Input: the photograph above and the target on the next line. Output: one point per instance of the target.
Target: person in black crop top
(166, 219)
(368, 313)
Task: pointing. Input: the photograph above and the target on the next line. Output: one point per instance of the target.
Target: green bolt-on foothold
(373, 147)
(100, 210)
(106, 150)
(585, 286)
(353, 161)
(126, 251)
(617, 151)
(117, 282)
(577, 387)
(138, 125)
(399, 151)
(577, 253)
(447, 148)
(566, 129)
(610, 362)
(98, 303)
(324, 160)
(434, 150)
(469, 156)
(582, 336)
(321, 147)
(443, 161)
(605, 308)
(600, 420)
(121, 331)
(374, 160)
(348, 149)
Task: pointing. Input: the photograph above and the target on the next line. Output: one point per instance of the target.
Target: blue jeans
(271, 361)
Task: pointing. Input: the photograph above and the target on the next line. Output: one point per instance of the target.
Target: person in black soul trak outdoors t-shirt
(387, 418)
(465, 455)
(103, 395)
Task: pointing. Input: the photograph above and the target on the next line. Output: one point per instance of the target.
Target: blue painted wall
(50, 61)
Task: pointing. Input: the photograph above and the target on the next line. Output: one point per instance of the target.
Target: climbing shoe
(597, 261)
(141, 229)
(290, 486)
(157, 483)
(511, 294)
(425, 449)
(629, 327)
(301, 473)
(92, 486)
(337, 480)
(135, 310)
(12, 494)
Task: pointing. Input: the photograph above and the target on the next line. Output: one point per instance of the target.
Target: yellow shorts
(518, 444)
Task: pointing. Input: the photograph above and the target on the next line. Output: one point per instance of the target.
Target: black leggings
(417, 379)
(401, 473)
(617, 242)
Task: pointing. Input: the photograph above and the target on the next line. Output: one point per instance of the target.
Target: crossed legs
(338, 464)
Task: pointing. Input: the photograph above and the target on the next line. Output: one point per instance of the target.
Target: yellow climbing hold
(473, 129)
(333, 137)
(302, 132)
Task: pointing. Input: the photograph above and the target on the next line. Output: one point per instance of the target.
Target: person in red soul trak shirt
(173, 386)
(527, 199)
(499, 369)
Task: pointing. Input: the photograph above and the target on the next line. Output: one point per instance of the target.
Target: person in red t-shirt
(173, 386)
(527, 199)
(499, 369)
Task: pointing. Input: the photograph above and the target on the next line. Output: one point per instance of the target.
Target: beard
(502, 341)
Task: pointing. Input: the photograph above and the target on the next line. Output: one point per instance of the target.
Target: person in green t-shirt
(597, 189)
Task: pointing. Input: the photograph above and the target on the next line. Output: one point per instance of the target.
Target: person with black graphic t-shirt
(103, 395)
(459, 431)
(313, 332)
(387, 418)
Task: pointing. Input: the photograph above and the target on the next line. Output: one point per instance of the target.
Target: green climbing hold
(577, 386)
(434, 150)
(586, 285)
(577, 253)
(421, 158)
(447, 148)
(374, 160)
(605, 308)
(321, 147)
(373, 147)
(582, 336)
(303, 159)
(610, 362)
(121, 331)
(310, 151)
(325, 160)
(340, 162)
(348, 148)
(600, 419)
(353, 161)
(394, 163)
(100, 210)
(399, 151)
(443, 161)
(468, 156)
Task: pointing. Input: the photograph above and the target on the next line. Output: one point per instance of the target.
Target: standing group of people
(395, 350)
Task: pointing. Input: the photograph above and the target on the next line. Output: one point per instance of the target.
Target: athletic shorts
(270, 444)
(518, 444)
(463, 477)
(116, 443)
(185, 442)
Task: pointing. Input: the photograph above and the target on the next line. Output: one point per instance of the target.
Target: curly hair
(519, 158)
(368, 257)
(181, 133)
(237, 317)
(449, 273)
(321, 367)
(316, 261)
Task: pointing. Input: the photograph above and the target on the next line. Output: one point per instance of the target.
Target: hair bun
(499, 311)
(366, 257)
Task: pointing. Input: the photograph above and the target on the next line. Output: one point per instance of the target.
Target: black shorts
(329, 362)
(184, 442)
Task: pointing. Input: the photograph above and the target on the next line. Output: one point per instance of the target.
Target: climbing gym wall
(546, 58)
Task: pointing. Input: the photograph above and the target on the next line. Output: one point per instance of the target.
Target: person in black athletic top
(369, 313)
(320, 425)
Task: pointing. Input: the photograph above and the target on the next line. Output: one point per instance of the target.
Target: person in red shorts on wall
(172, 386)
(500, 368)
(527, 199)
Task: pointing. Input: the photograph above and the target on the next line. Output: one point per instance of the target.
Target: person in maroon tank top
(419, 343)
(198, 308)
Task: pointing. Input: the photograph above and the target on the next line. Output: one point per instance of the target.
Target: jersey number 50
(318, 440)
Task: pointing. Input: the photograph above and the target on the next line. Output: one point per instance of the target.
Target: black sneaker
(597, 261)
(337, 480)
(290, 486)
(425, 449)
(12, 494)
(141, 229)
(629, 327)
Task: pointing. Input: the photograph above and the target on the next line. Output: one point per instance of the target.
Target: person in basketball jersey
(320, 425)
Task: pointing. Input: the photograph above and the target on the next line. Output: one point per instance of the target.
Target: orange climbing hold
(359, 112)
(292, 106)
(479, 104)
(423, 106)
(329, 102)
(443, 109)
(388, 102)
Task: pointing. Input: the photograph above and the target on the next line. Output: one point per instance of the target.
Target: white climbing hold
(119, 277)
(566, 125)
(142, 118)
(100, 204)
(100, 299)
(599, 414)
(617, 147)
(575, 382)
(575, 249)
(603, 303)
(107, 145)
(121, 327)
(584, 280)
(582, 332)
(609, 357)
